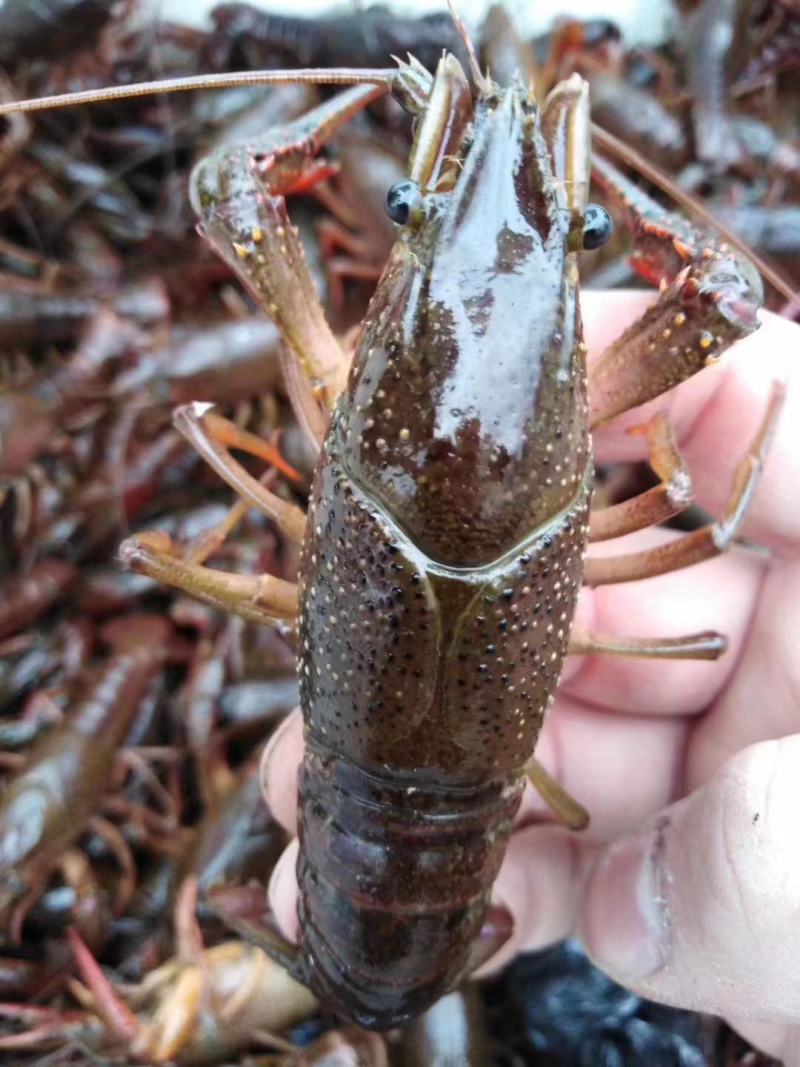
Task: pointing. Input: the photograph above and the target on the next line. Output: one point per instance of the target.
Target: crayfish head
(467, 394)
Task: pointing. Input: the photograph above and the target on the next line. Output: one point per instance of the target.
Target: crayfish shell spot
(506, 654)
(369, 624)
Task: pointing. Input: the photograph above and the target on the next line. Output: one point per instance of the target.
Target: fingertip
(539, 886)
(282, 891)
(698, 910)
(280, 764)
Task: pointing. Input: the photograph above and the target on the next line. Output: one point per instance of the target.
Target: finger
(716, 414)
(621, 768)
(761, 700)
(719, 594)
(282, 891)
(280, 766)
(701, 911)
(781, 1042)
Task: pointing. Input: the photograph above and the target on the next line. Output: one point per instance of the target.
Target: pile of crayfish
(135, 844)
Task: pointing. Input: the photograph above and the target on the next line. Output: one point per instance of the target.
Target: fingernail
(626, 923)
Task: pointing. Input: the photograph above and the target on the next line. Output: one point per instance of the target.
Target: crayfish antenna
(312, 76)
(483, 84)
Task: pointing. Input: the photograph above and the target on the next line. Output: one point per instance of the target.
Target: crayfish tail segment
(388, 940)
(564, 807)
(709, 541)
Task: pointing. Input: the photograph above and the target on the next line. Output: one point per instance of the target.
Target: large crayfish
(445, 540)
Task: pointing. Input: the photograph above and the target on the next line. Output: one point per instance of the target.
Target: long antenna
(333, 76)
(481, 81)
(385, 77)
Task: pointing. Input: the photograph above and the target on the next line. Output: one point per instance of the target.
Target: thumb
(702, 911)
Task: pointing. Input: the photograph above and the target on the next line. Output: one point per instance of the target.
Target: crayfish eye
(404, 203)
(597, 227)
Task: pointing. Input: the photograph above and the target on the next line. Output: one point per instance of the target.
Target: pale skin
(686, 886)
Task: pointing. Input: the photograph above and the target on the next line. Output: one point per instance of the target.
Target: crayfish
(446, 534)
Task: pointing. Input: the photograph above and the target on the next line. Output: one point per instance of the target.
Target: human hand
(686, 887)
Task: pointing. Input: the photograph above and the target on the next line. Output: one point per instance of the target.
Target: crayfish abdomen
(396, 882)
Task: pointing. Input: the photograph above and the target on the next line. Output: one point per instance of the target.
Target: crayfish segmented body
(444, 546)
(441, 565)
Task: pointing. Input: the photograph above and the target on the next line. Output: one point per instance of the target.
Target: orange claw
(229, 434)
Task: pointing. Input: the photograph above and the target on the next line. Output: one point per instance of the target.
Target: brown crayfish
(445, 539)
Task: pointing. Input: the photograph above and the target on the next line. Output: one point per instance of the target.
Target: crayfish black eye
(404, 203)
(597, 227)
